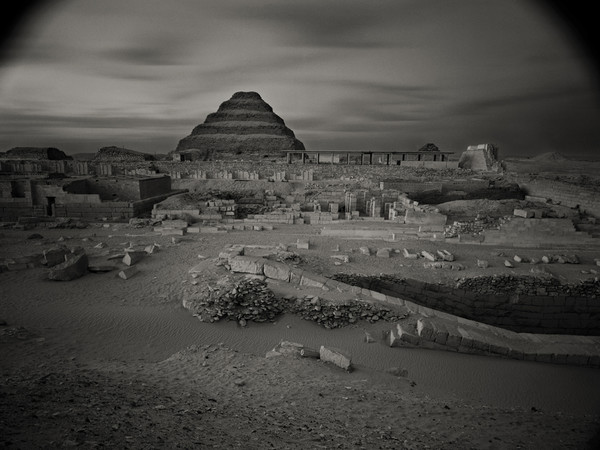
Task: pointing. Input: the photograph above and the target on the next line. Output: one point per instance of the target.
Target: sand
(105, 362)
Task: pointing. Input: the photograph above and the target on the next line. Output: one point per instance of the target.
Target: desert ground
(102, 362)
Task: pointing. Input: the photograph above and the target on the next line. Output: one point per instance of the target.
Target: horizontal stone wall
(120, 210)
(10, 211)
(546, 314)
(431, 164)
(268, 168)
(565, 194)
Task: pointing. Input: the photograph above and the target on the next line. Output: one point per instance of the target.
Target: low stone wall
(435, 329)
(562, 193)
(533, 232)
(120, 210)
(552, 312)
(10, 210)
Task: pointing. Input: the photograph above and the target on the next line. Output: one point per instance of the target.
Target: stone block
(383, 253)
(407, 336)
(172, 231)
(441, 334)
(409, 255)
(133, 257)
(313, 280)
(286, 348)
(482, 264)
(54, 256)
(336, 357)
(378, 296)
(128, 272)
(499, 349)
(425, 330)
(523, 213)
(74, 267)
(296, 275)
(247, 264)
(303, 244)
(393, 340)
(174, 224)
(276, 270)
(150, 249)
(429, 256)
(365, 250)
(445, 255)
(453, 340)
(342, 258)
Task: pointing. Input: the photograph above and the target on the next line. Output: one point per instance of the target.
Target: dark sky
(343, 74)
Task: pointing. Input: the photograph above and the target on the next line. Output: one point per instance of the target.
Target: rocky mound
(244, 124)
(120, 154)
(36, 153)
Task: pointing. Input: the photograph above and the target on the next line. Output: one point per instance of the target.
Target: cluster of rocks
(528, 285)
(334, 315)
(354, 279)
(472, 227)
(241, 300)
(249, 298)
(546, 259)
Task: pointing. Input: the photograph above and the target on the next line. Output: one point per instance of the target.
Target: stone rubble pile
(474, 227)
(333, 315)
(245, 300)
(234, 299)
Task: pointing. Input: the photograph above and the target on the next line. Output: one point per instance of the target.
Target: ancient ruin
(243, 125)
(394, 249)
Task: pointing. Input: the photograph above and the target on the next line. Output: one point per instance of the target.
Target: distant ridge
(550, 156)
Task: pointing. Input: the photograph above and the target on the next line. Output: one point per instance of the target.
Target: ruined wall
(75, 192)
(91, 211)
(152, 187)
(562, 193)
(432, 164)
(552, 312)
(12, 209)
(113, 188)
(267, 168)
